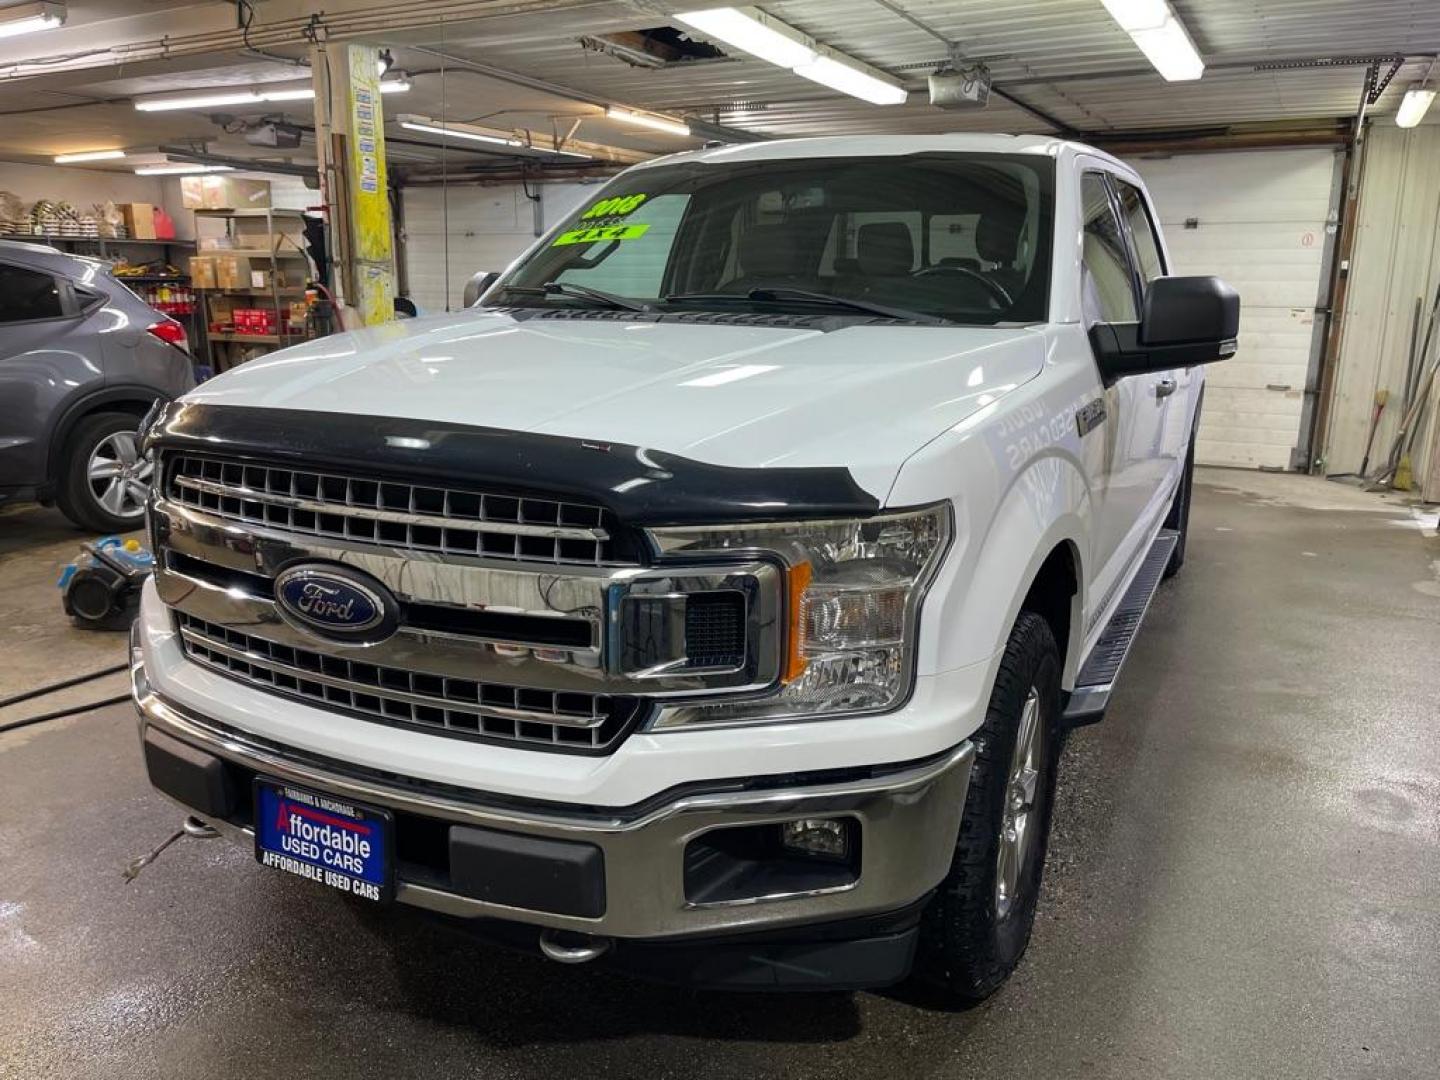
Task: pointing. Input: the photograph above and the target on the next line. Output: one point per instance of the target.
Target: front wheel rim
(118, 477)
(1020, 820)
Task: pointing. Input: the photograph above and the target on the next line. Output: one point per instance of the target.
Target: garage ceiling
(1064, 60)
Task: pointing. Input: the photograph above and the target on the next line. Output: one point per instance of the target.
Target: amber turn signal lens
(797, 580)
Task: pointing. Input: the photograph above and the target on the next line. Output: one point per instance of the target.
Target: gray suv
(82, 359)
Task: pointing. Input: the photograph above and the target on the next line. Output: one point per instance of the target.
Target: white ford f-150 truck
(713, 597)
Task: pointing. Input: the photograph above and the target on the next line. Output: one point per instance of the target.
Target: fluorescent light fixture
(181, 168)
(659, 123)
(249, 95)
(1135, 15)
(298, 93)
(1160, 35)
(851, 78)
(198, 100)
(89, 155)
(751, 30)
(1413, 106)
(456, 131)
(28, 18)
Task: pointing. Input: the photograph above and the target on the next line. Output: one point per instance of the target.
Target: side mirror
(478, 283)
(1185, 321)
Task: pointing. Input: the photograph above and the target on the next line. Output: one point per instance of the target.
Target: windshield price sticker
(606, 210)
(600, 232)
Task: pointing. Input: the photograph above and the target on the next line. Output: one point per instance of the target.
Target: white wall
(488, 226)
(1396, 260)
(82, 188)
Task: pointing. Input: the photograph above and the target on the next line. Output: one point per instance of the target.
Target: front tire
(105, 480)
(976, 928)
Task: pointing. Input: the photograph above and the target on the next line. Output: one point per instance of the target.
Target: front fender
(1020, 491)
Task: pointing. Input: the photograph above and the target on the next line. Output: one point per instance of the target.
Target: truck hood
(863, 397)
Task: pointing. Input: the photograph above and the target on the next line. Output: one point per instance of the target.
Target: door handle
(1164, 388)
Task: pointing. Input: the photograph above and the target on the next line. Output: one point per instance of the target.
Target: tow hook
(567, 947)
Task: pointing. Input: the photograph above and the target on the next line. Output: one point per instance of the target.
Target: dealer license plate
(315, 836)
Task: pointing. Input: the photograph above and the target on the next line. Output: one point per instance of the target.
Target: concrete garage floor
(1242, 883)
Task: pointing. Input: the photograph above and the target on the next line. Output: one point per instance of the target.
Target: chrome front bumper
(908, 820)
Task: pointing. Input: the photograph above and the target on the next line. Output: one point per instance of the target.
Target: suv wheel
(105, 480)
(976, 928)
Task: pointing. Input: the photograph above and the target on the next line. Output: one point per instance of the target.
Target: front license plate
(315, 836)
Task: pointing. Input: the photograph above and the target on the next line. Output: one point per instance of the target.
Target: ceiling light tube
(298, 93)
(181, 168)
(28, 18)
(396, 84)
(198, 100)
(659, 123)
(1414, 105)
(455, 131)
(1160, 35)
(850, 77)
(751, 30)
(89, 155)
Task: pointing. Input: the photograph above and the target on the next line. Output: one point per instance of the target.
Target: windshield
(959, 237)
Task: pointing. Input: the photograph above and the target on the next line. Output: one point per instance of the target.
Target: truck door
(1177, 387)
(1134, 407)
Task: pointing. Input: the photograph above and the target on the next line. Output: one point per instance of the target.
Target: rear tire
(103, 480)
(977, 926)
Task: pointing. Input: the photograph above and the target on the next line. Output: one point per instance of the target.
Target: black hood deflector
(639, 486)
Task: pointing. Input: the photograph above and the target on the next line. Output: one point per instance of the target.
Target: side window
(27, 294)
(1107, 287)
(1142, 229)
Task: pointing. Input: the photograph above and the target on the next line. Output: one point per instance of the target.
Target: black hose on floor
(59, 713)
(41, 691)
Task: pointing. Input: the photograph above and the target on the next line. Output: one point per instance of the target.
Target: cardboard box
(223, 193)
(232, 272)
(214, 243)
(202, 272)
(139, 219)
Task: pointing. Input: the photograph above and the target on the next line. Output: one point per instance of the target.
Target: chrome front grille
(404, 516)
(466, 707)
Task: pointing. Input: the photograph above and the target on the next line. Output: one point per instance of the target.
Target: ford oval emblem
(336, 602)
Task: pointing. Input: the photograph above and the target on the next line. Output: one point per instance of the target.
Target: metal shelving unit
(239, 228)
(69, 243)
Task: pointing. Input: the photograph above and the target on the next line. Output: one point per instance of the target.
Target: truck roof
(880, 146)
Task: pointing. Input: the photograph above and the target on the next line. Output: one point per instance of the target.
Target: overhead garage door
(487, 228)
(1260, 220)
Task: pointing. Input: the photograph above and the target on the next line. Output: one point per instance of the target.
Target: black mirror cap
(476, 286)
(1185, 321)
(1186, 310)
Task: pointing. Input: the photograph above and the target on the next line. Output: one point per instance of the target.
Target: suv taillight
(170, 332)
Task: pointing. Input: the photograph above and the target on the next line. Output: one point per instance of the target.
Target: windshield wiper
(566, 288)
(808, 296)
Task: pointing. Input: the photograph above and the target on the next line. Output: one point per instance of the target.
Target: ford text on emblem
(335, 602)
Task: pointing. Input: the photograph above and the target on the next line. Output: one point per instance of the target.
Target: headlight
(854, 590)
